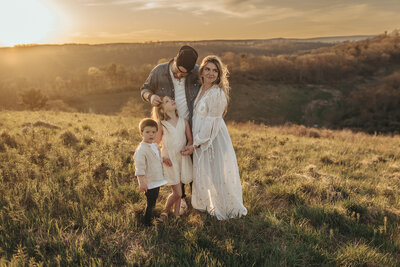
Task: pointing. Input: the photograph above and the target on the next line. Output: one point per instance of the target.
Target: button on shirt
(180, 96)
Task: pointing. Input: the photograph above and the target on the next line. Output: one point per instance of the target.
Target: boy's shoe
(183, 207)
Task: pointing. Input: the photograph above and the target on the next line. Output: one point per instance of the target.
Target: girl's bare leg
(174, 197)
(177, 204)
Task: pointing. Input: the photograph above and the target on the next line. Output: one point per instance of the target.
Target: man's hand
(167, 162)
(188, 150)
(155, 100)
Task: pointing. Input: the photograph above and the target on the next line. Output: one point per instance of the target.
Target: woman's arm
(211, 124)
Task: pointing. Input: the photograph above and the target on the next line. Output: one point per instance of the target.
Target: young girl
(175, 134)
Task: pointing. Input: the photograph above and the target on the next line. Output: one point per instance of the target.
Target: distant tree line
(325, 65)
(59, 72)
(72, 70)
(374, 108)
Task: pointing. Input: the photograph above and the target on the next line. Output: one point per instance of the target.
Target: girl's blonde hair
(223, 74)
(158, 114)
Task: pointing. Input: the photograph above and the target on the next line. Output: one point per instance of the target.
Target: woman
(216, 182)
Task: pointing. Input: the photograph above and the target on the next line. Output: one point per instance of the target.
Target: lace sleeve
(216, 104)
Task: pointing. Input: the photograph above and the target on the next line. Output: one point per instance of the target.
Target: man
(178, 79)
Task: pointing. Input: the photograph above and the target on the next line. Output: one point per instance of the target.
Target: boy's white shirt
(149, 163)
(155, 149)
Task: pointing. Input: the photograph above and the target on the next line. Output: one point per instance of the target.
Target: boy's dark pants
(151, 196)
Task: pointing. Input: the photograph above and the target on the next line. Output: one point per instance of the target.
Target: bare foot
(163, 217)
(183, 207)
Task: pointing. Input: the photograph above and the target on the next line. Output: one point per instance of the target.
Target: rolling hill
(313, 82)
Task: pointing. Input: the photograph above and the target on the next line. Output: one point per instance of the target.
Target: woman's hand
(167, 162)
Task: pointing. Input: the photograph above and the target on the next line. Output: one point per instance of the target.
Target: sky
(116, 21)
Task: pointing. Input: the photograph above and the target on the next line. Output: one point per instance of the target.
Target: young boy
(148, 165)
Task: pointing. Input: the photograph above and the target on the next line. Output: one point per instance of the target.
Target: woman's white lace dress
(216, 181)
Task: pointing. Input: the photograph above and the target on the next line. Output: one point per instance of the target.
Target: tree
(33, 99)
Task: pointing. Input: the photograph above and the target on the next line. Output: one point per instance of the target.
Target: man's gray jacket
(160, 83)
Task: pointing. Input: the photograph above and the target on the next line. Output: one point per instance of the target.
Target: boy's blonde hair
(158, 113)
(147, 122)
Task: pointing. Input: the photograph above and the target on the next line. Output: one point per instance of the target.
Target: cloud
(260, 10)
(354, 13)
(135, 34)
(131, 36)
(231, 8)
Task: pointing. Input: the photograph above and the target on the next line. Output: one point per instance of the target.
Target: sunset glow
(113, 21)
(24, 22)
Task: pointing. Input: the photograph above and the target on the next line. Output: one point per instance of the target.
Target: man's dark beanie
(186, 58)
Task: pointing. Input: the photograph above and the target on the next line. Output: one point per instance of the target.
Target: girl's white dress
(216, 182)
(173, 141)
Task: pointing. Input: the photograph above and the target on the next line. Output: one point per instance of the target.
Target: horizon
(39, 22)
(195, 41)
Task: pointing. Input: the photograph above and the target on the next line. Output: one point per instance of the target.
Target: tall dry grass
(68, 196)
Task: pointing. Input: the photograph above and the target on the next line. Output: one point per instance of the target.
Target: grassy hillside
(352, 84)
(315, 197)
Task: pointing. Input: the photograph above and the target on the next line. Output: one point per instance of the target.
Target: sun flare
(25, 22)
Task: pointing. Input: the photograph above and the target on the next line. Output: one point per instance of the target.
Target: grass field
(68, 196)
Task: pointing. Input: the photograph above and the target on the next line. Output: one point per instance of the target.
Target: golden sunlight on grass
(68, 196)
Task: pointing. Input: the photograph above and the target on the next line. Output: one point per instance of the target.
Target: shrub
(100, 172)
(69, 139)
(8, 140)
(33, 99)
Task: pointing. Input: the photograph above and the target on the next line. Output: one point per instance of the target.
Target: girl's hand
(167, 162)
(188, 150)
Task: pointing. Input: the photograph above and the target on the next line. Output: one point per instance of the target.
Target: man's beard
(176, 77)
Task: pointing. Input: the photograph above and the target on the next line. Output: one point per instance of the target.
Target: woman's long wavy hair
(223, 74)
(158, 113)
